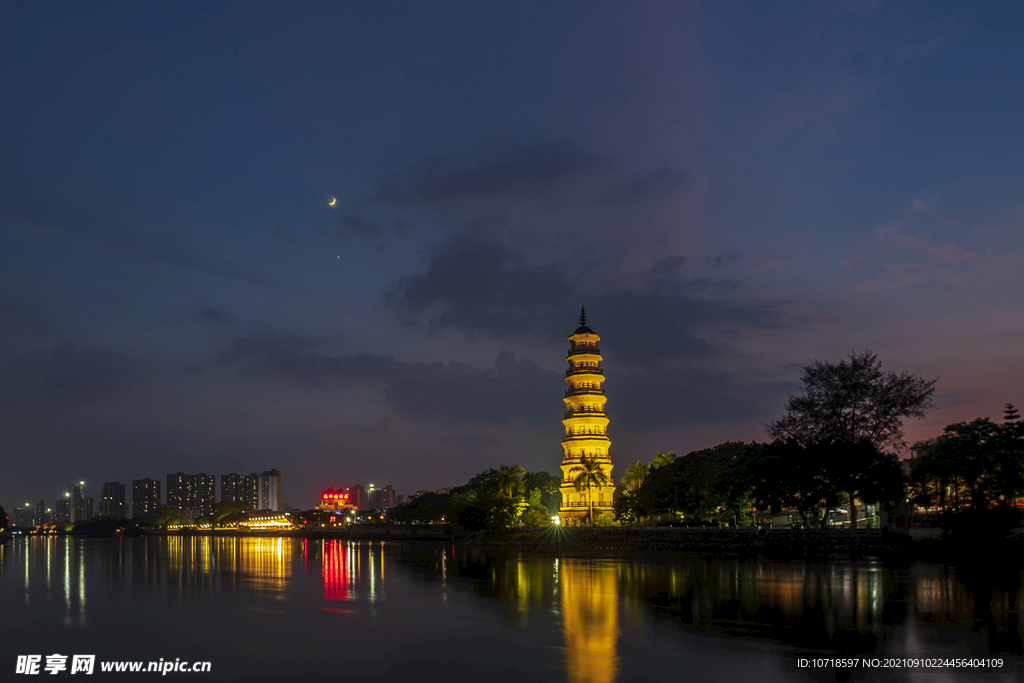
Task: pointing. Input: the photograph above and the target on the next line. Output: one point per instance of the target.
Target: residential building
(113, 500)
(357, 496)
(191, 492)
(269, 490)
(237, 488)
(145, 498)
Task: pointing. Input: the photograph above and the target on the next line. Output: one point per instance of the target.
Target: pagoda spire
(583, 316)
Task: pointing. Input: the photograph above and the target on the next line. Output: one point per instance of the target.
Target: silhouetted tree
(787, 475)
(851, 401)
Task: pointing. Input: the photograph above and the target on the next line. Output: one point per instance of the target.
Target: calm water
(286, 609)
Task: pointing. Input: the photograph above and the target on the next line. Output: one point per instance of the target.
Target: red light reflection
(336, 578)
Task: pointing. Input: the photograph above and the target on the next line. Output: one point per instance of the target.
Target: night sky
(732, 189)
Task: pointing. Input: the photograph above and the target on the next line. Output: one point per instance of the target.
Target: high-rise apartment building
(62, 509)
(191, 491)
(269, 490)
(238, 488)
(24, 517)
(76, 493)
(357, 496)
(41, 516)
(380, 498)
(145, 497)
(113, 500)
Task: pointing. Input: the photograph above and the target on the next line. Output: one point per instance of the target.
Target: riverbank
(351, 533)
(776, 544)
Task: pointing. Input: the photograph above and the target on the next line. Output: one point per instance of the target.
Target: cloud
(21, 316)
(213, 315)
(727, 257)
(895, 233)
(73, 375)
(287, 235)
(145, 248)
(436, 392)
(484, 287)
(639, 187)
(677, 397)
(352, 224)
(522, 170)
(470, 441)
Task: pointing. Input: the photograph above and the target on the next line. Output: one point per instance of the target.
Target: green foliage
(227, 513)
(535, 512)
(493, 499)
(706, 485)
(510, 481)
(167, 516)
(548, 485)
(627, 508)
(602, 519)
(662, 459)
(428, 508)
(636, 473)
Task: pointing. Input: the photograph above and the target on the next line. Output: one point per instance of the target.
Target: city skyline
(261, 490)
(349, 241)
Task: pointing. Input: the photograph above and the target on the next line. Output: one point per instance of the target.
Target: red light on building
(334, 499)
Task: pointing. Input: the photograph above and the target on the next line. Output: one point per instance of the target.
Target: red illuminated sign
(332, 495)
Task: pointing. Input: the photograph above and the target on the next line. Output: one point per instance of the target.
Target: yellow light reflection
(590, 619)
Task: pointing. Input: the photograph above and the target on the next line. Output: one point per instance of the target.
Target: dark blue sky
(733, 189)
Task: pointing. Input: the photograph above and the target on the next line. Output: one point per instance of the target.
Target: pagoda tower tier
(586, 426)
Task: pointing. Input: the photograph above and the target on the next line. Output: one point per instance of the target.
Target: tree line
(835, 446)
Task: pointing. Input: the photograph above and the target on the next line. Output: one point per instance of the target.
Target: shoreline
(744, 543)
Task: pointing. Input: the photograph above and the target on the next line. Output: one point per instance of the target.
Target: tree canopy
(853, 400)
(980, 463)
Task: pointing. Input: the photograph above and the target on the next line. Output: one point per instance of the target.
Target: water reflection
(589, 604)
(841, 607)
(337, 559)
(598, 615)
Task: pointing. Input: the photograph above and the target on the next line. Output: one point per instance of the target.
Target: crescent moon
(332, 202)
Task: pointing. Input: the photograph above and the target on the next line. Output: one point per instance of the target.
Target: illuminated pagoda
(586, 425)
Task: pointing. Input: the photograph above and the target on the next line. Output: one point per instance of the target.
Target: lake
(283, 609)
